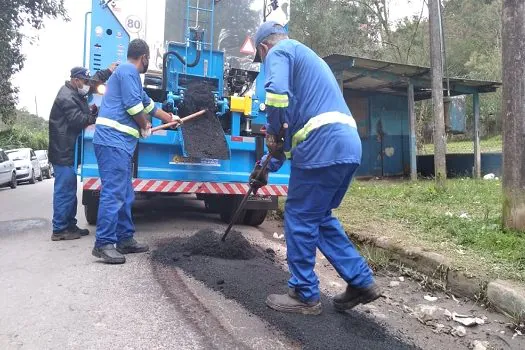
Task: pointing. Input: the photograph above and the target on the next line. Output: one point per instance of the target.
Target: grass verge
(493, 144)
(463, 223)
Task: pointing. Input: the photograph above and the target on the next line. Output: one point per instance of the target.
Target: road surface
(55, 295)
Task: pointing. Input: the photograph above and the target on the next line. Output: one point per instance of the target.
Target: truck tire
(227, 215)
(228, 206)
(255, 217)
(91, 212)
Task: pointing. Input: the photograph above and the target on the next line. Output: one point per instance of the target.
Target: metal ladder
(200, 12)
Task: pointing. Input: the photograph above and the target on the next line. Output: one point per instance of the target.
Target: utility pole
(513, 110)
(36, 107)
(436, 62)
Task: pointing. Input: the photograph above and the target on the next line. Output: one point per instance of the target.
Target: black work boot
(109, 254)
(82, 231)
(128, 246)
(354, 296)
(65, 235)
(290, 302)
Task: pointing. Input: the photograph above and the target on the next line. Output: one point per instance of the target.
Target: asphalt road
(55, 295)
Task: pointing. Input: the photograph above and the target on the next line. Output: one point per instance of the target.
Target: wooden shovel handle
(184, 120)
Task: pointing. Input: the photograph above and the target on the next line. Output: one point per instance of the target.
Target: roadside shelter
(381, 96)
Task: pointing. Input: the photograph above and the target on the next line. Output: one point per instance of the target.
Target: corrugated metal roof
(366, 74)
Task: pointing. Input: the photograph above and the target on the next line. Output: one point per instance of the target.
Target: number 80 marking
(133, 24)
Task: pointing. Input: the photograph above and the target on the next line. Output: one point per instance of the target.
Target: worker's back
(115, 126)
(314, 91)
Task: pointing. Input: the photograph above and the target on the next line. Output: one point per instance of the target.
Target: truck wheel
(228, 207)
(255, 217)
(91, 212)
(227, 215)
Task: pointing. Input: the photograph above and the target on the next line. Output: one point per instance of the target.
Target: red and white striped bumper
(162, 186)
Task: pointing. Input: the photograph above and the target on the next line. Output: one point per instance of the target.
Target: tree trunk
(436, 62)
(513, 113)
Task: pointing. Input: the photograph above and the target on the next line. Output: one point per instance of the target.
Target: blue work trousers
(309, 224)
(64, 198)
(114, 220)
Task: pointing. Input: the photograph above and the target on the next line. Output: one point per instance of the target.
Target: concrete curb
(505, 296)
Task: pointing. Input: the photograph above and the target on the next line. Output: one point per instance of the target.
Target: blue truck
(186, 48)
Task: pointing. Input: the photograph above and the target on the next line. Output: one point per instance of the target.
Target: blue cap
(80, 72)
(265, 30)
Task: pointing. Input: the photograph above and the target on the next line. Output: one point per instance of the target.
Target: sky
(59, 47)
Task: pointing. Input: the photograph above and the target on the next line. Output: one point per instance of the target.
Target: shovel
(252, 189)
(183, 120)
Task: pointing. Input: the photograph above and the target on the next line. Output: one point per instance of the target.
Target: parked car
(45, 166)
(7, 171)
(27, 166)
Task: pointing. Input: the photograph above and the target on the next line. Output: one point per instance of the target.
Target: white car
(45, 166)
(7, 171)
(27, 165)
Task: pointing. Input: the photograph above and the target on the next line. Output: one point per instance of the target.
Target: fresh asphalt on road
(55, 295)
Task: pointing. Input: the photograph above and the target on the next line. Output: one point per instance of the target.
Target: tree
(334, 26)
(14, 14)
(440, 145)
(513, 19)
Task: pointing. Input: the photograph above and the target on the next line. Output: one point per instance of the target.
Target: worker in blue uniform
(121, 121)
(325, 150)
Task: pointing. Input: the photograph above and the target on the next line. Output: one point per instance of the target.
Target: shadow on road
(248, 282)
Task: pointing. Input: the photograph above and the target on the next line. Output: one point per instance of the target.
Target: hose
(180, 58)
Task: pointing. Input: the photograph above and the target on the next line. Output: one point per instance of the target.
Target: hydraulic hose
(180, 58)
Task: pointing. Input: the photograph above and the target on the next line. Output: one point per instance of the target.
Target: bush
(19, 136)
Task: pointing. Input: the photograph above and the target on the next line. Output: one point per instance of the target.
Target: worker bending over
(122, 120)
(325, 150)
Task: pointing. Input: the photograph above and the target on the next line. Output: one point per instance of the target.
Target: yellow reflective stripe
(276, 100)
(150, 107)
(288, 155)
(320, 120)
(136, 109)
(116, 125)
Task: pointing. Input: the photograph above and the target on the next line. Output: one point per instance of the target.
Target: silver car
(45, 166)
(27, 165)
(7, 171)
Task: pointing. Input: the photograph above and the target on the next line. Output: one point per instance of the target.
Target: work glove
(258, 177)
(175, 118)
(275, 145)
(145, 133)
(93, 113)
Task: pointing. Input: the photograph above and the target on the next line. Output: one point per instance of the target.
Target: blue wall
(382, 121)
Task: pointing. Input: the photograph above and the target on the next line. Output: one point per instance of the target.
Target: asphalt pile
(248, 282)
(204, 136)
(208, 243)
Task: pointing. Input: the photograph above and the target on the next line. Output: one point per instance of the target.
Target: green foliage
(333, 26)
(472, 30)
(14, 15)
(26, 130)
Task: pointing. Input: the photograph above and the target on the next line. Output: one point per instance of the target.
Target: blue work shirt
(300, 89)
(124, 99)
